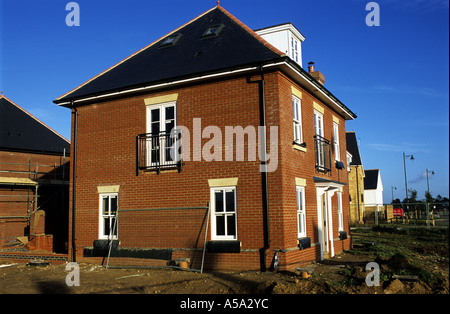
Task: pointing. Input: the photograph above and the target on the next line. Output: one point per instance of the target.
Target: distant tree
(413, 197)
(396, 201)
(428, 197)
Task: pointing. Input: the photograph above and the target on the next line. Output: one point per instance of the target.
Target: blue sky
(395, 76)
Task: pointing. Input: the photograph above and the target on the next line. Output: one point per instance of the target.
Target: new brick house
(355, 179)
(158, 178)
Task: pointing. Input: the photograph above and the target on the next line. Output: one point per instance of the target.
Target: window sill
(299, 146)
(223, 246)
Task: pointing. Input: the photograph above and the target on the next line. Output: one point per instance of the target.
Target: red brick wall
(107, 156)
(295, 163)
(13, 199)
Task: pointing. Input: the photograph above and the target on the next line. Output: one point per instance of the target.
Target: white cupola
(285, 37)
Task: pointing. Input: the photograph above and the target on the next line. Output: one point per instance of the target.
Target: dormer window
(286, 38)
(294, 49)
(170, 40)
(213, 31)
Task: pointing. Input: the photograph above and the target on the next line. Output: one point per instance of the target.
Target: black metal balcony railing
(158, 151)
(323, 154)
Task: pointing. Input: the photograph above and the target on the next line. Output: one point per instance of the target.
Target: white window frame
(109, 215)
(162, 128)
(340, 212)
(214, 215)
(301, 212)
(319, 130)
(297, 118)
(318, 123)
(337, 154)
(294, 49)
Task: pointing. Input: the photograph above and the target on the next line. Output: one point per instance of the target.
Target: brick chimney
(316, 74)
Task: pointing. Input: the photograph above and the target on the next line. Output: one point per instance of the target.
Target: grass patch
(405, 251)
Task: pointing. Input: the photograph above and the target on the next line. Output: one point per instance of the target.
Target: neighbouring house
(34, 181)
(211, 145)
(373, 190)
(355, 179)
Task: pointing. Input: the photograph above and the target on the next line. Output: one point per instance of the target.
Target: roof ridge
(136, 53)
(33, 117)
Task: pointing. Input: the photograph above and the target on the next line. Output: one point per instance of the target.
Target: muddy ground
(411, 262)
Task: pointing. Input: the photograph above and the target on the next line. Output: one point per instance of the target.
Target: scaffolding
(20, 189)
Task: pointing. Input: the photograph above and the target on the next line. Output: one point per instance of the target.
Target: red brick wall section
(13, 199)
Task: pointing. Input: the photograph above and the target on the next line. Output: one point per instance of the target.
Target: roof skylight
(213, 31)
(170, 40)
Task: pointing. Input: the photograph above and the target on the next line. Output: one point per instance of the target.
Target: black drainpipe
(74, 168)
(265, 195)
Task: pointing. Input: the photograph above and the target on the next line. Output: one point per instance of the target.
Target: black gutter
(318, 85)
(216, 71)
(263, 169)
(74, 168)
(165, 81)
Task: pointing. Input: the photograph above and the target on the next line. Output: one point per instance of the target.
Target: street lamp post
(392, 190)
(428, 204)
(428, 184)
(404, 167)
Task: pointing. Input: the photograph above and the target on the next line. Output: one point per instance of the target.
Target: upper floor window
(297, 113)
(322, 145)
(294, 49)
(161, 148)
(337, 156)
(318, 123)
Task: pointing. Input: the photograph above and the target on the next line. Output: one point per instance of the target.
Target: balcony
(323, 154)
(156, 152)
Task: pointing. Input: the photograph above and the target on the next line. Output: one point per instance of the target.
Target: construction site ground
(411, 261)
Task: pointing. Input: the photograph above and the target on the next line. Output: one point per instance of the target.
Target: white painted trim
(279, 28)
(151, 87)
(330, 224)
(100, 216)
(303, 202)
(213, 220)
(311, 85)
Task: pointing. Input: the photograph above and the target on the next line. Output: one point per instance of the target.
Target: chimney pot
(311, 67)
(316, 74)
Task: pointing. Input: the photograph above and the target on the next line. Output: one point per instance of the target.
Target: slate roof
(371, 179)
(352, 148)
(235, 46)
(20, 131)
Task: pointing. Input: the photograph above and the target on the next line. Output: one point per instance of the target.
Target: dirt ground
(421, 261)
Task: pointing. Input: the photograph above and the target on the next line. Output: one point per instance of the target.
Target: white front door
(322, 220)
(324, 209)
